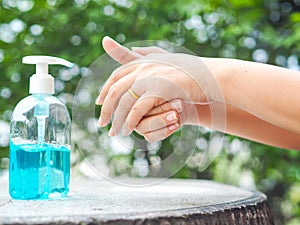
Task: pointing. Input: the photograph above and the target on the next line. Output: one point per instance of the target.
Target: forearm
(270, 93)
(246, 125)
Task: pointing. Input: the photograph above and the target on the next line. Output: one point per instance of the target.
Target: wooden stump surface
(174, 201)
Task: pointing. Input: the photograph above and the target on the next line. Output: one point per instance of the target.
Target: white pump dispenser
(41, 82)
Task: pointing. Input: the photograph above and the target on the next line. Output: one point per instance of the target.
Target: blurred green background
(264, 31)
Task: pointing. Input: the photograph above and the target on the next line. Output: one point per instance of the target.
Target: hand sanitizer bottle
(40, 138)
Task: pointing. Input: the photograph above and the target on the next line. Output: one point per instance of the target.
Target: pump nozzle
(41, 82)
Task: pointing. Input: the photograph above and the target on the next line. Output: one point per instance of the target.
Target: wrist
(224, 74)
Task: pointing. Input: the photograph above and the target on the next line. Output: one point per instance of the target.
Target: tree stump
(174, 201)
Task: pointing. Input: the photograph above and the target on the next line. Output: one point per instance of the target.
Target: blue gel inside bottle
(39, 171)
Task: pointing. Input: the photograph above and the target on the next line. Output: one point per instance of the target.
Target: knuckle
(161, 108)
(123, 103)
(133, 118)
(165, 107)
(145, 66)
(113, 77)
(156, 102)
(124, 58)
(136, 113)
(145, 126)
(113, 91)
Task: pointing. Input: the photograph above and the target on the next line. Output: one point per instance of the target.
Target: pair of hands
(165, 91)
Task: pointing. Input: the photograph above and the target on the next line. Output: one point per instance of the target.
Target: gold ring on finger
(133, 94)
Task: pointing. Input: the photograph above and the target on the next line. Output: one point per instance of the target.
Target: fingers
(141, 108)
(161, 122)
(124, 106)
(158, 127)
(116, 91)
(115, 77)
(157, 122)
(159, 118)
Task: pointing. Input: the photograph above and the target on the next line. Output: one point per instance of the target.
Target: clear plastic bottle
(40, 138)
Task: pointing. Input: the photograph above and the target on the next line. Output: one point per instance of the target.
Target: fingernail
(111, 132)
(171, 116)
(98, 101)
(126, 132)
(106, 36)
(177, 104)
(100, 122)
(174, 127)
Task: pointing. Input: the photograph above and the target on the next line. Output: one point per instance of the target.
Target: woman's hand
(155, 83)
(157, 78)
(161, 121)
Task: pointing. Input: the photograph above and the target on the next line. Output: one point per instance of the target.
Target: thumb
(118, 52)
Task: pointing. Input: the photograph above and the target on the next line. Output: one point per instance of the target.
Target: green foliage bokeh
(267, 31)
